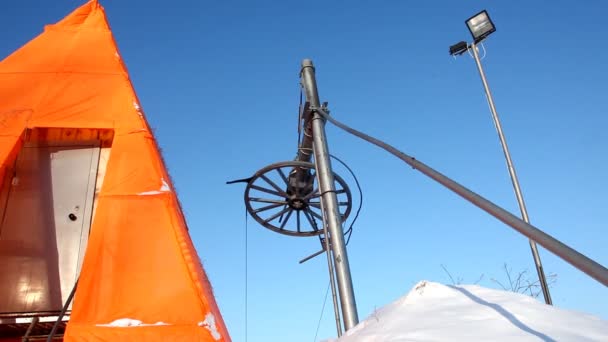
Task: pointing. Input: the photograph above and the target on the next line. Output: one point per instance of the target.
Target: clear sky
(218, 80)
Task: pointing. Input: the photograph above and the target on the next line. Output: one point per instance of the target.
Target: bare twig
(449, 274)
(519, 283)
(479, 279)
(522, 283)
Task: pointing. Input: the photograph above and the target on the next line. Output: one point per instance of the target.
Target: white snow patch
(163, 188)
(209, 323)
(129, 322)
(436, 312)
(137, 108)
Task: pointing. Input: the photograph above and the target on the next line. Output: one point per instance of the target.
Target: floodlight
(480, 26)
(458, 48)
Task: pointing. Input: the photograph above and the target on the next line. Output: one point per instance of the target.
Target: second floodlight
(459, 48)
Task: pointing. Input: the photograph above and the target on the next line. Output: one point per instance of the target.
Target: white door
(45, 226)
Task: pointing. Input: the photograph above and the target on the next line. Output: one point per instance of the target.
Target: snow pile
(436, 312)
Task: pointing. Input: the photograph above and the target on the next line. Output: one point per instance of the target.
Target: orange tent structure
(69, 118)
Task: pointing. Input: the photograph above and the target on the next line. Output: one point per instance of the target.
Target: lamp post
(480, 25)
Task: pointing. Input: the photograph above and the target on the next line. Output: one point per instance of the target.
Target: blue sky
(218, 81)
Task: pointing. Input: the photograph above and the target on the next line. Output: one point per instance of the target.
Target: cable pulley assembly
(285, 198)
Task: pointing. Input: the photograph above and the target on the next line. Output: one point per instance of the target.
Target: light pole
(480, 25)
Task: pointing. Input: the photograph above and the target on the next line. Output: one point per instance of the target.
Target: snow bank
(436, 312)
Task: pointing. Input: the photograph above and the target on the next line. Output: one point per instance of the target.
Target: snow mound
(436, 312)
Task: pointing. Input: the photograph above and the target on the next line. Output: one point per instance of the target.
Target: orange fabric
(140, 262)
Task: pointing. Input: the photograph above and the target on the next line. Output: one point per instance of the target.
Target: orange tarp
(140, 263)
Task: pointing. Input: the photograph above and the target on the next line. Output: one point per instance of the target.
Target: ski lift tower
(302, 198)
(312, 193)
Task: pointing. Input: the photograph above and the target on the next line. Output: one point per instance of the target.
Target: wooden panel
(46, 135)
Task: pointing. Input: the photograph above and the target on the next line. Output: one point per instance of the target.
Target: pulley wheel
(284, 197)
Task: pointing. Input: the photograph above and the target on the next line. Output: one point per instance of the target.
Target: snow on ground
(436, 312)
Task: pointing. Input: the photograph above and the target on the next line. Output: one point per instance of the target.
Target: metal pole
(62, 313)
(514, 180)
(332, 282)
(28, 332)
(331, 215)
(565, 252)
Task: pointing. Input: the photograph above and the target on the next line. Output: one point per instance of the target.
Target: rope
(321, 316)
(300, 109)
(246, 277)
(349, 231)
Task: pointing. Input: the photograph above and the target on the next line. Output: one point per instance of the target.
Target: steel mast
(329, 203)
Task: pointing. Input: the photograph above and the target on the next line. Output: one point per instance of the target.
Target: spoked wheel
(284, 197)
